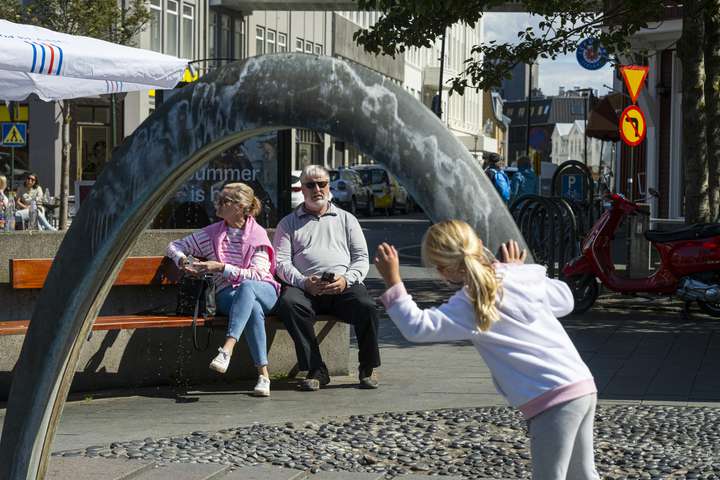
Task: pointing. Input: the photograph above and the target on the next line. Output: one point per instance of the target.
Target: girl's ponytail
(454, 247)
(483, 289)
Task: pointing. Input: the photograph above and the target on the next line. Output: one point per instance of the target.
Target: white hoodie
(534, 364)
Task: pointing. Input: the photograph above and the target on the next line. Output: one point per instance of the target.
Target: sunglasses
(311, 185)
(224, 201)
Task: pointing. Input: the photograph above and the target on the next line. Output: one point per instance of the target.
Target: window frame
(156, 6)
(270, 45)
(281, 46)
(191, 18)
(259, 40)
(176, 14)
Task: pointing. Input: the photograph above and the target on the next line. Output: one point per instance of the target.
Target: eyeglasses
(311, 185)
(32, 178)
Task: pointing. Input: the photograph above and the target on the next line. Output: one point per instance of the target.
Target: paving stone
(263, 473)
(348, 476)
(185, 471)
(83, 468)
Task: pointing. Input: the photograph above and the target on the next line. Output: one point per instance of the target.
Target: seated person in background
(27, 192)
(240, 255)
(322, 256)
(4, 200)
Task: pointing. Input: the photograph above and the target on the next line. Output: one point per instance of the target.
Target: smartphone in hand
(328, 277)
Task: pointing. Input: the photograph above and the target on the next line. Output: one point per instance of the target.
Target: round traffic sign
(632, 126)
(591, 54)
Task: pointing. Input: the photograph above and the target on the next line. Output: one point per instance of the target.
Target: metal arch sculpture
(200, 121)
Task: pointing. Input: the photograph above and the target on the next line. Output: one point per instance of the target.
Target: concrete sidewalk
(640, 352)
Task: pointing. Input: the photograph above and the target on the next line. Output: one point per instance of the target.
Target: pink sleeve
(392, 294)
(259, 268)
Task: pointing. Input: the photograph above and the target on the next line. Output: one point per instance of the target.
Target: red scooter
(689, 262)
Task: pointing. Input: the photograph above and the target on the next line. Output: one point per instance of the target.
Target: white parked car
(296, 196)
(349, 191)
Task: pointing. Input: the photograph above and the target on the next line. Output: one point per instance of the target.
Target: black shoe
(314, 380)
(367, 379)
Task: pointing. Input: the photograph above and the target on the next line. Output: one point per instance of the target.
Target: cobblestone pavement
(658, 416)
(632, 442)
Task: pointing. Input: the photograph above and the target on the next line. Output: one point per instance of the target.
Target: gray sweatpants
(561, 441)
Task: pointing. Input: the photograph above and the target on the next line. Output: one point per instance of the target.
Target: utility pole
(529, 96)
(438, 112)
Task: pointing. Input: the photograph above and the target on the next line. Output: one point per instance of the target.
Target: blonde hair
(3, 182)
(454, 246)
(244, 195)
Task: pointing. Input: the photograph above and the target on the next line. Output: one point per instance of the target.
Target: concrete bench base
(151, 357)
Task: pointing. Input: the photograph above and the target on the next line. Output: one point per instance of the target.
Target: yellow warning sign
(634, 76)
(13, 134)
(632, 126)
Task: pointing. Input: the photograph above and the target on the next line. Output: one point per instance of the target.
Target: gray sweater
(308, 245)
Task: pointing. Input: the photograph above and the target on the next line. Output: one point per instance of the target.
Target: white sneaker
(221, 362)
(262, 389)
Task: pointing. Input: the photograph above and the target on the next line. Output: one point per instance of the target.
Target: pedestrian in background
(239, 254)
(499, 179)
(508, 311)
(525, 181)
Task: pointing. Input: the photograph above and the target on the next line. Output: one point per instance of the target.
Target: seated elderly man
(322, 256)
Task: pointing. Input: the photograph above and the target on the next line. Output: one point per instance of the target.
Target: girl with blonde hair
(509, 312)
(239, 254)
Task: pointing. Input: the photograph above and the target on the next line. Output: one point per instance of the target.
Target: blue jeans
(247, 305)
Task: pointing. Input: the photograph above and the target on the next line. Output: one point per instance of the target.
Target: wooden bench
(137, 271)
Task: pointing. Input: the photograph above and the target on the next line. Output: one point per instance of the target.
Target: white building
(559, 153)
(463, 115)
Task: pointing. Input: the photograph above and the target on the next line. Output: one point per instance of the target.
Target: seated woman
(27, 192)
(239, 253)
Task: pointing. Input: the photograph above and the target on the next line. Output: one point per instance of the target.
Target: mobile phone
(328, 277)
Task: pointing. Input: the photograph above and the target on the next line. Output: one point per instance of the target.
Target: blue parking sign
(573, 187)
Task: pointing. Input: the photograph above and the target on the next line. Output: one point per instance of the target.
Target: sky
(564, 71)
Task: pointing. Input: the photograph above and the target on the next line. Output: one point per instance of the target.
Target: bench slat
(31, 273)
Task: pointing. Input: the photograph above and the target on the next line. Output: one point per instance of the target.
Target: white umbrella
(58, 66)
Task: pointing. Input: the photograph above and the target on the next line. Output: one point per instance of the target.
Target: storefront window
(253, 162)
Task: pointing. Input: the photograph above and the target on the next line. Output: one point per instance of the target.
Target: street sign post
(13, 134)
(634, 76)
(632, 126)
(590, 54)
(573, 187)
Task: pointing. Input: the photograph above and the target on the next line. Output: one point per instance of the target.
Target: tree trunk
(693, 111)
(712, 104)
(65, 167)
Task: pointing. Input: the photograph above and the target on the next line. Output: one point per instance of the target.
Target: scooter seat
(693, 232)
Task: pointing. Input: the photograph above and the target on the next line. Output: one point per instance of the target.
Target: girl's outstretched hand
(388, 264)
(511, 253)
